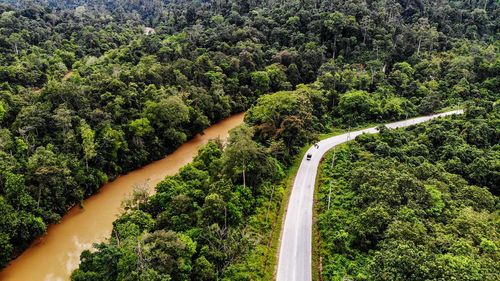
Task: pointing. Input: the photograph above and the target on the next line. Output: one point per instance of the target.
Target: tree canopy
(91, 89)
(411, 204)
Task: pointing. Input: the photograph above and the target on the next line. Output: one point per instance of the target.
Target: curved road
(295, 251)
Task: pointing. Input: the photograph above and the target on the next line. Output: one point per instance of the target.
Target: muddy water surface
(55, 255)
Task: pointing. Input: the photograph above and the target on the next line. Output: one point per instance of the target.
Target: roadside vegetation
(414, 204)
(300, 68)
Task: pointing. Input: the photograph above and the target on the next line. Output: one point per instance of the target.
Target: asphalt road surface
(295, 250)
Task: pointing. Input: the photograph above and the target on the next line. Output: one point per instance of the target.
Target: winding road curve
(295, 251)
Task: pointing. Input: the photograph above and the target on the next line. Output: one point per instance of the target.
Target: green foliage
(95, 94)
(436, 204)
(395, 209)
(88, 144)
(194, 227)
(284, 120)
(141, 127)
(357, 105)
(261, 82)
(2, 111)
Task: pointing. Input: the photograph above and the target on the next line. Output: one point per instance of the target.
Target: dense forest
(93, 89)
(415, 204)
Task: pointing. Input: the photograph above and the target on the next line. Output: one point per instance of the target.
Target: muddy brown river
(55, 255)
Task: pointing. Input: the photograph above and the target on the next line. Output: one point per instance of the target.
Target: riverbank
(56, 254)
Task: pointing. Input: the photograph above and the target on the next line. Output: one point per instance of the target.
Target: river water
(55, 255)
